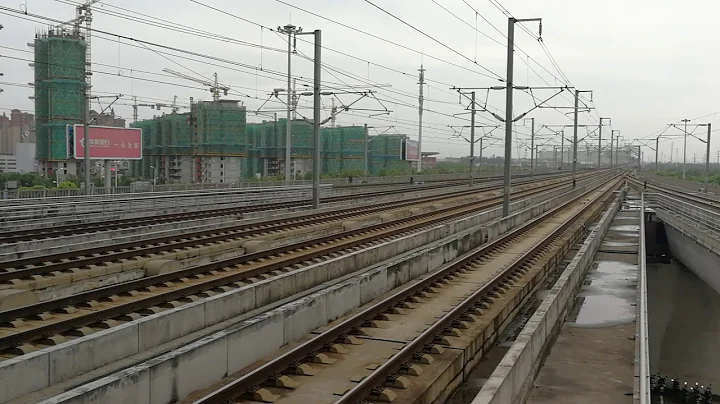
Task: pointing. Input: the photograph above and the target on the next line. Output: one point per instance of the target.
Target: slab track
(412, 345)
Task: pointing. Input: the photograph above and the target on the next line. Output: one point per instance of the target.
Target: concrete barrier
(170, 377)
(513, 378)
(34, 248)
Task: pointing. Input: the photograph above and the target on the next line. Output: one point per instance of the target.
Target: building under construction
(342, 148)
(207, 145)
(214, 144)
(59, 96)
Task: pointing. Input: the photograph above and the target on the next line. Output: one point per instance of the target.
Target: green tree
(67, 185)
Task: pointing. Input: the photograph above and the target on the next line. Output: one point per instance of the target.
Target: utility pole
(291, 32)
(600, 141)
(575, 134)
(685, 146)
(613, 159)
(657, 147)
(316, 120)
(420, 115)
(707, 153)
(366, 151)
(472, 135)
(333, 113)
(508, 116)
(509, 108)
(86, 138)
(480, 152)
(562, 149)
(575, 139)
(532, 146)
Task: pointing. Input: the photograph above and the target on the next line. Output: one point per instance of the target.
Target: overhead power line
(494, 75)
(166, 24)
(411, 75)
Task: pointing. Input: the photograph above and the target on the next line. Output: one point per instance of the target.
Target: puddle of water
(626, 228)
(608, 296)
(619, 244)
(603, 311)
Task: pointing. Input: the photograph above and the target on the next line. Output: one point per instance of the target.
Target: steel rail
(112, 224)
(279, 365)
(27, 267)
(84, 228)
(240, 230)
(340, 241)
(685, 194)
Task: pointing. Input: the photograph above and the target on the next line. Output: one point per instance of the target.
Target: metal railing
(140, 189)
(704, 220)
(643, 345)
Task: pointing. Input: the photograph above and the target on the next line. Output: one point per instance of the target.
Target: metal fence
(137, 189)
(27, 214)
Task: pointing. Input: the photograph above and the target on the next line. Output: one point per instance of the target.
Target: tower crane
(215, 87)
(156, 105)
(83, 14)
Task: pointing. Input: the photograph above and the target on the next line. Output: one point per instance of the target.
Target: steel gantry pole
(472, 136)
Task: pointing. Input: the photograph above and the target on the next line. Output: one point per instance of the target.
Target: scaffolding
(386, 153)
(343, 149)
(174, 135)
(214, 131)
(59, 91)
(221, 129)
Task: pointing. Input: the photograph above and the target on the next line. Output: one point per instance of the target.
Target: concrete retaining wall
(178, 373)
(34, 248)
(512, 380)
(698, 252)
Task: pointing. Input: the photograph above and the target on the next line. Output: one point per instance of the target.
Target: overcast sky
(648, 62)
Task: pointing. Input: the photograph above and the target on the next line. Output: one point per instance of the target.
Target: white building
(8, 163)
(25, 156)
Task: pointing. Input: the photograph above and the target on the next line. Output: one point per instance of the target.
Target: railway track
(31, 327)
(378, 354)
(693, 197)
(25, 269)
(114, 224)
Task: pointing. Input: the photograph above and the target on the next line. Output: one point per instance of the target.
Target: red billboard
(411, 150)
(106, 143)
